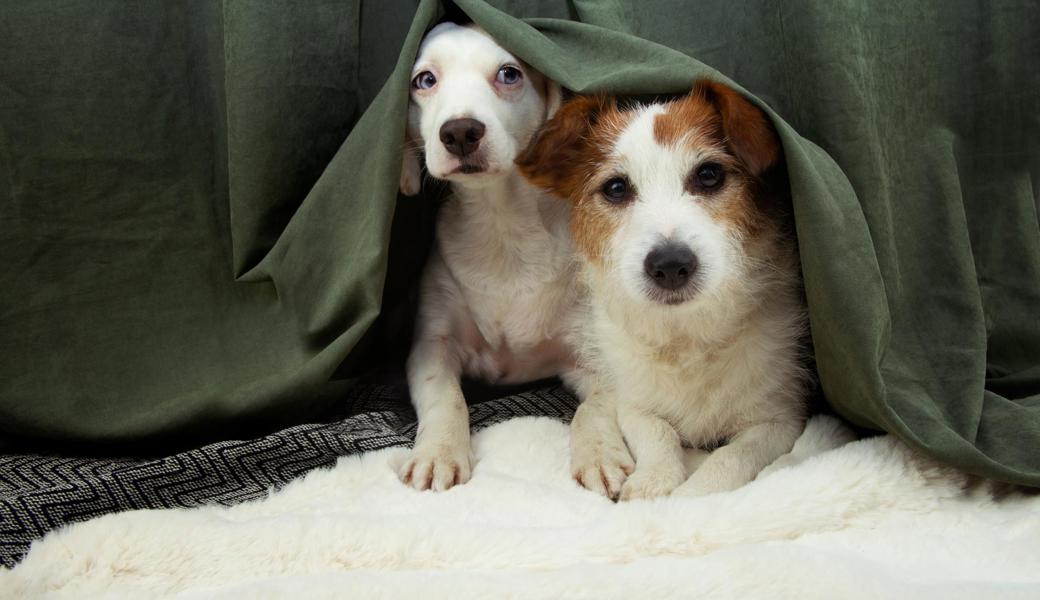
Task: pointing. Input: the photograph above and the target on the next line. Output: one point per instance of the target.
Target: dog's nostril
(670, 266)
(462, 136)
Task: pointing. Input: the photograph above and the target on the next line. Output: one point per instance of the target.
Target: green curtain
(200, 230)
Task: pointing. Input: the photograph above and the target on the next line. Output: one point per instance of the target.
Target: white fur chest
(510, 254)
(709, 374)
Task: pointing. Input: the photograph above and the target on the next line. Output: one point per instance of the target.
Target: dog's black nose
(462, 136)
(670, 266)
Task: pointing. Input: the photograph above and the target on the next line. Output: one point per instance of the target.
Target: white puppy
(695, 324)
(500, 282)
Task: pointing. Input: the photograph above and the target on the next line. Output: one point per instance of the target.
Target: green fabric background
(192, 244)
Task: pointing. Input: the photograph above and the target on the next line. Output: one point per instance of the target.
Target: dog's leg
(600, 461)
(739, 461)
(658, 451)
(441, 456)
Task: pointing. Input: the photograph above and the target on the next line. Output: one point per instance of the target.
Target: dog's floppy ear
(411, 169)
(746, 129)
(411, 161)
(553, 98)
(554, 158)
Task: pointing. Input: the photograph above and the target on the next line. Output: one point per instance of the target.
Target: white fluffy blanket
(834, 520)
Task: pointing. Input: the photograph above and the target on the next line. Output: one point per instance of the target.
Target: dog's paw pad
(436, 470)
(603, 471)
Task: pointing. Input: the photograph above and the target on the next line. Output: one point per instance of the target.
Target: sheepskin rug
(834, 519)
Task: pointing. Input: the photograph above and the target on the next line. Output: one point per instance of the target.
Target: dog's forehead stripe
(637, 135)
(636, 151)
(688, 120)
(655, 166)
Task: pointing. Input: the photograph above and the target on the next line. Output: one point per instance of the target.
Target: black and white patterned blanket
(39, 493)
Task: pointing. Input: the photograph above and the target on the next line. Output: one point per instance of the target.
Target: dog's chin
(469, 169)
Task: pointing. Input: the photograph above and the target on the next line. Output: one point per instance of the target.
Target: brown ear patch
(718, 111)
(564, 157)
(749, 134)
(557, 158)
(747, 129)
(713, 114)
(691, 113)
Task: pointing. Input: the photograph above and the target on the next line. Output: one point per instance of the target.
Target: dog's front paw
(601, 467)
(652, 482)
(437, 468)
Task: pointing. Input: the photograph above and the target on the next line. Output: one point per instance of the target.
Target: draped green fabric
(200, 229)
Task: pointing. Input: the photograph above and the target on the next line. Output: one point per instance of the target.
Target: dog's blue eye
(509, 75)
(424, 81)
(616, 189)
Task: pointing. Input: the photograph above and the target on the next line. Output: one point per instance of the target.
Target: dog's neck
(507, 201)
(494, 192)
(709, 320)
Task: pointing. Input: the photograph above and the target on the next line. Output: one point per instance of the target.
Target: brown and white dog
(694, 326)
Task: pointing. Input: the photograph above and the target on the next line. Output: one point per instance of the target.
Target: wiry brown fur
(575, 144)
(579, 139)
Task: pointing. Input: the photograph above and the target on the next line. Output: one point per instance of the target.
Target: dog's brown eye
(424, 81)
(509, 75)
(616, 190)
(709, 176)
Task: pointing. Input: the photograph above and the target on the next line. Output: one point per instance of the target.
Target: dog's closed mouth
(676, 297)
(469, 169)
